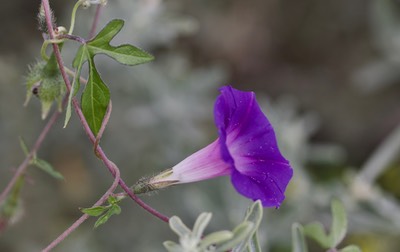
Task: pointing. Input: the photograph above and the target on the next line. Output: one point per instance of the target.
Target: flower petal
(248, 143)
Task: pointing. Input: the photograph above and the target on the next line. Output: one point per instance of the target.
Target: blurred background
(327, 73)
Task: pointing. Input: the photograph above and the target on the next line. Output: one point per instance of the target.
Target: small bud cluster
(47, 84)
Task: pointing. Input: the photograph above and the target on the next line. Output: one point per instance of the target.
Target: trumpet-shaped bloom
(246, 150)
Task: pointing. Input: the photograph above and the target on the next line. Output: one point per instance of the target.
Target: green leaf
(124, 54)
(351, 248)
(96, 96)
(48, 168)
(338, 231)
(95, 99)
(113, 210)
(178, 226)
(298, 241)
(100, 221)
(95, 211)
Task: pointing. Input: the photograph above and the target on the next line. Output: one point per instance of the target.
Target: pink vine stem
(99, 151)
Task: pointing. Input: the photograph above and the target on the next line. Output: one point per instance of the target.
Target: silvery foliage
(242, 238)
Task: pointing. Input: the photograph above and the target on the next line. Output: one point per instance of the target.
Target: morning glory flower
(246, 150)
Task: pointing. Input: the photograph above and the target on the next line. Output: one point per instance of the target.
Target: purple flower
(246, 150)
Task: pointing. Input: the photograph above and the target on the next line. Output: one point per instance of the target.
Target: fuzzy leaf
(254, 245)
(241, 232)
(95, 99)
(94, 211)
(298, 241)
(215, 238)
(339, 223)
(48, 168)
(172, 246)
(178, 226)
(201, 224)
(338, 231)
(124, 54)
(254, 214)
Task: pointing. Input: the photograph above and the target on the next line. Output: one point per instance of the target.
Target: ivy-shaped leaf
(124, 54)
(96, 96)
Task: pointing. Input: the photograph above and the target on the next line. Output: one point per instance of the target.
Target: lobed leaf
(124, 54)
